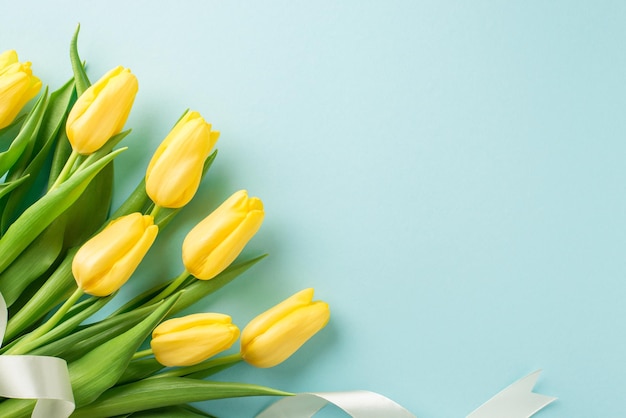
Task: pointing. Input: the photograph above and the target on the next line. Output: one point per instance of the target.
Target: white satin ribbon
(516, 401)
(36, 377)
(358, 404)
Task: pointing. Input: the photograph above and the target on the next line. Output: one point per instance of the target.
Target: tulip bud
(105, 262)
(175, 171)
(101, 111)
(273, 336)
(216, 241)
(192, 339)
(17, 86)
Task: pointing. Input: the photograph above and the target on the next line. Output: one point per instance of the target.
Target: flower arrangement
(64, 256)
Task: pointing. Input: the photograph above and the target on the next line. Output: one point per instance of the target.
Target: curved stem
(155, 211)
(142, 354)
(66, 171)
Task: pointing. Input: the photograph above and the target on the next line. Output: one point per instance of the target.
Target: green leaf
(60, 284)
(172, 411)
(89, 337)
(90, 211)
(17, 121)
(72, 321)
(138, 201)
(53, 118)
(201, 288)
(34, 261)
(198, 289)
(9, 186)
(140, 369)
(48, 133)
(27, 134)
(43, 212)
(82, 81)
(102, 367)
(157, 393)
(105, 149)
(62, 151)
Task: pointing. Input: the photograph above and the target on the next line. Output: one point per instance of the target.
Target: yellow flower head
(215, 242)
(175, 171)
(273, 336)
(17, 86)
(101, 111)
(105, 262)
(192, 339)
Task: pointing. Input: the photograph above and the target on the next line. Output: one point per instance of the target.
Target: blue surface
(447, 175)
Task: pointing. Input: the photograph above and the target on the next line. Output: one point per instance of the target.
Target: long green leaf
(89, 337)
(27, 135)
(60, 283)
(201, 288)
(70, 324)
(48, 133)
(82, 81)
(16, 121)
(61, 152)
(41, 214)
(140, 369)
(183, 411)
(91, 209)
(198, 289)
(157, 393)
(34, 261)
(102, 367)
(106, 148)
(9, 186)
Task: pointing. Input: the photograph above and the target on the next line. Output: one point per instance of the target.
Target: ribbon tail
(516, 401)
(357, 404)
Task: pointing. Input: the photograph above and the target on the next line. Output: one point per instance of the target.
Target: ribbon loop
(43, 378)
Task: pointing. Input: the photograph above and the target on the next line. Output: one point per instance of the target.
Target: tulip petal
(218, 239)
(105, 262)
(176, 168)
(193, 338)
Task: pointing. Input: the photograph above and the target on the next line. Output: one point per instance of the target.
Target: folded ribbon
(516, 401)
(358, 404)
(36, 377)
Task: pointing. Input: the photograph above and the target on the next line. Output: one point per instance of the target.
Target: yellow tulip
(192, 339)
(101, 111)
(105, 262)
(216, 241)
(17, 86)
(273, 336)
(175, 171)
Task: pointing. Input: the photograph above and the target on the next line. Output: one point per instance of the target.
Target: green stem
(184, 371)
(29, 342)
(66, 171)
(142, 354)
(170, 289)
(155, 211)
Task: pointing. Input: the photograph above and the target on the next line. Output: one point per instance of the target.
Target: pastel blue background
(447, 175)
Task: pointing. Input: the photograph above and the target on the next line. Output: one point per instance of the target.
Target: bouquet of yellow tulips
(65, 253)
